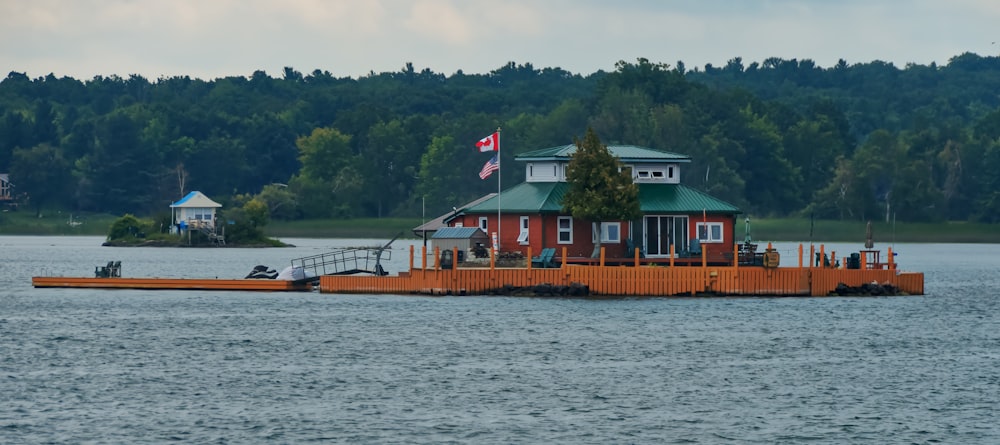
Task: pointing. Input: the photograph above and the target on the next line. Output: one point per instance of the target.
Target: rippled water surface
(128, 366)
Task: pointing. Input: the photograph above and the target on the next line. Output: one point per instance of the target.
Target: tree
(599, 190)
(42, 173)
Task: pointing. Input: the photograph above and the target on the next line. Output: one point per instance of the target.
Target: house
(194, 210)
(673, 215)
(6, 189)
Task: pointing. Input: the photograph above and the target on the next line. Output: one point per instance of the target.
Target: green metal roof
(458, 233)
(526, 197)
(625, 153)
(546, 197)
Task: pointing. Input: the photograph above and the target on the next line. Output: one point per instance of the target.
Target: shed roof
(624, 153)
(195, 199)
(546, 197)
(458, 233)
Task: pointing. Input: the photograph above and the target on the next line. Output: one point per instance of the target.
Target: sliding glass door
(663, 231)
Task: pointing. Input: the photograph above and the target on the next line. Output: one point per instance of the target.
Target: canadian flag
(489, 143)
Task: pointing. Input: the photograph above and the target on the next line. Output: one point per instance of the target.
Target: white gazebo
(193, 210)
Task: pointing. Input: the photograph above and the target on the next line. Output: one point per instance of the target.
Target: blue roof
(196, 199)
(185, 199)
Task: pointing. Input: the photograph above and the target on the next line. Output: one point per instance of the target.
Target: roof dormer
(647, 165)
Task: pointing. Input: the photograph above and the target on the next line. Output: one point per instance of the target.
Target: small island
(196, 221)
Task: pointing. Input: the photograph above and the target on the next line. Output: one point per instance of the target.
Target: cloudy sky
(217, 38)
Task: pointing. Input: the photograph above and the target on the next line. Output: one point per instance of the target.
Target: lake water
(129, 366)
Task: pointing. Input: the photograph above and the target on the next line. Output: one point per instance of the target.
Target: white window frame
(568, 230)
(605, 235)
(710, 232)
(484, 224)
(522, 237)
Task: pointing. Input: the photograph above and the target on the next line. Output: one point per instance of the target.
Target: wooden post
(800, 255)
(529, 257)
(602, 256)
(892, 261)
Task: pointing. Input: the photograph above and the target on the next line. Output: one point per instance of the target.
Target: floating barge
(758, 274)
(620, 277)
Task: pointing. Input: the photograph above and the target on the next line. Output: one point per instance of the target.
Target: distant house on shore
(195, 211)
(6, 188)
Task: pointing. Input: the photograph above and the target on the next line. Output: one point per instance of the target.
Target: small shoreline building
(6, 191)
(676, 220)
(193, 211)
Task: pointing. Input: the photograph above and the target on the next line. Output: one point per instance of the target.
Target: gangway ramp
(345, 262)
(348, 261)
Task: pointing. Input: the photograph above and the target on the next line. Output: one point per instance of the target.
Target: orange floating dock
(262, 285)
(635, 277)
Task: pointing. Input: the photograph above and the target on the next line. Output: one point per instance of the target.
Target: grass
(25, 222)
(344, 228)
(767, 229)
(805, 230)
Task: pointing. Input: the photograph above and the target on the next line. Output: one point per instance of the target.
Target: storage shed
(464, 238)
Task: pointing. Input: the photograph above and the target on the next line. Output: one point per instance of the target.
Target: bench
(545, 259)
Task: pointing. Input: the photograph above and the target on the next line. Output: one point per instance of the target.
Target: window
(522, 238)
(565, 228)
(483, 224)
(611, 232)
(709, 232)
(670, 172)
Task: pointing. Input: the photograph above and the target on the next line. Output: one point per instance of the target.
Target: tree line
(778, 138)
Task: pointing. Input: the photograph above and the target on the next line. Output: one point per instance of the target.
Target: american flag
(491, 166)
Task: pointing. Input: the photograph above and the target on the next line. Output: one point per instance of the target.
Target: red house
(673, 215)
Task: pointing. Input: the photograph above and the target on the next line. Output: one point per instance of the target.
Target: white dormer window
(546, 171)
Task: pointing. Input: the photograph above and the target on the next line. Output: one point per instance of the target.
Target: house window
(522, 238)
(565, 230)
(709, 232)
(483, 224)
(670, 172)
(611, 232)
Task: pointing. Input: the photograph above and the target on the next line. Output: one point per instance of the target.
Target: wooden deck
(632, 277)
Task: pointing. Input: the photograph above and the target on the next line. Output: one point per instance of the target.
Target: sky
(210, 39)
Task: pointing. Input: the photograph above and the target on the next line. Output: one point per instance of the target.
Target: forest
(778, 138)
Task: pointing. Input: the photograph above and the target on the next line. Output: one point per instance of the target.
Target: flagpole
(499, 166)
